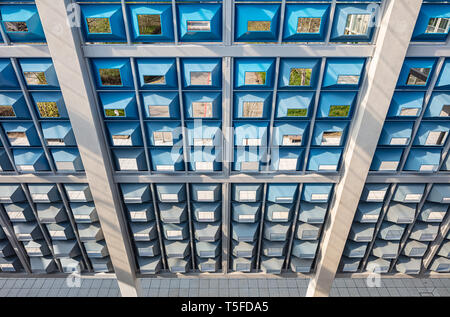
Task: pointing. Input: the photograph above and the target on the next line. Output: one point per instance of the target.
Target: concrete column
(64, 44)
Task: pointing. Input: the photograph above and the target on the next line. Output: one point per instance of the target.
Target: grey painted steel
(24, 50)
(428, 50)
(282, 17)
(158, 227)
(293, 228)
(330, 22)
(219, 50)
(8, 150)
(237, 178)
(393, 40)
(436, 244)
(41, 226)
(42, 178)
(12, 238)
(228, 29)
(261, 229)
(385, 208)
(227, 113)
(64, 44)
(186, 154)
(191, 226)
(136, 89)
(272, 115)
(410, 227)
(226, 239)
(405, 177)
(313, 115)
(175, 24)
(418, 121)
(69, 213)
(34, 117)
(3, 137)
(125, 21)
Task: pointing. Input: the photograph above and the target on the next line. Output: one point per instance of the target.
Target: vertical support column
(226, 206)
(395, 31)
(65, 46)
(261, 228)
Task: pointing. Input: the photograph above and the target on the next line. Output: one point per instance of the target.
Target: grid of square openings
(258, 21)
(277, 232)
(305, 116)
(311, 118)
(415, 134)
(57, 226)
(180, 232)
(35, 125)
(20, 23)
(394, 227)
(161, 109)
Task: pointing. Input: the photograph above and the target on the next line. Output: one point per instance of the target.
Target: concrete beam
(392, 43)
(73, 74)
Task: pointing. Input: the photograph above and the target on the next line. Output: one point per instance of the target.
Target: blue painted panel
(112, 12)
(200, 12)
(169, 99)
(396, 133)
(410, 63)
(192, 66)
(282, 193)
(428, 11)
(8, 78)
(436, 105)
(282, 129)
(246, 13)
(279, 154)
(328, 99)
(173, 127)
(147, 67)
(164, 12)
(423, 160)
(249, 66)
(22, 13)
(50, 97)
(167, 157)
(288, 64)
(336, 68)
(386, 156)
(122, 102)
(406, 104)
(18, 104)
(296, 11)
(317, 192)
(122, 64)
(213, 98)
(324, 160)
(322, 127)
(240, 98)
(39, 65)
(287, 102)
(341, 16)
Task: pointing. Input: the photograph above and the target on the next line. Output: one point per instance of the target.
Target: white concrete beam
(392, 43)
(73, 74)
